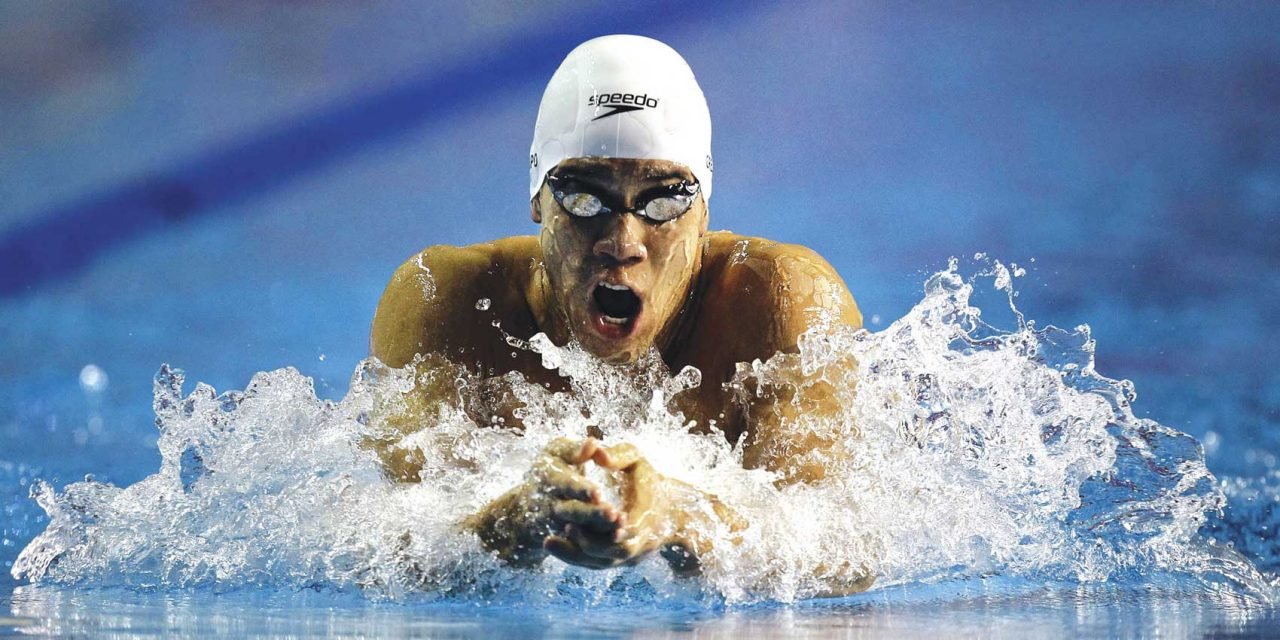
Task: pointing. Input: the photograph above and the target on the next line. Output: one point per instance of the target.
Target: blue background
(226, 186)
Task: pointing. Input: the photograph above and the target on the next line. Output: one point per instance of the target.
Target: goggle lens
(583, 204)
(667, 208)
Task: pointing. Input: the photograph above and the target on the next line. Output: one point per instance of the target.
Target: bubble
(1212, 441)
(93, 379)
(482, 304)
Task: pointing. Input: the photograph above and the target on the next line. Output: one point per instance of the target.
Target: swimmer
(623, 265)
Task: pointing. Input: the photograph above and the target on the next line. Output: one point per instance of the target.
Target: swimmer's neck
(550, 318)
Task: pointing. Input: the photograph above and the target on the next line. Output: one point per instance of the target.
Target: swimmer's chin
(616, 343)
(615, 339)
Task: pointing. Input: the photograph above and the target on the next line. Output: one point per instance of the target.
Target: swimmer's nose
(621, 242)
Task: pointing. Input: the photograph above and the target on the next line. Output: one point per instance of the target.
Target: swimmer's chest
(711, 406)
(725, 328)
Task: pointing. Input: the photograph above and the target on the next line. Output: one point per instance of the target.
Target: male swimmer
(620, 178)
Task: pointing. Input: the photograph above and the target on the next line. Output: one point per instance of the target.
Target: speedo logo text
(621, 103)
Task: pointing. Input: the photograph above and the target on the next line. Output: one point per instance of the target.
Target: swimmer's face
(622, 279)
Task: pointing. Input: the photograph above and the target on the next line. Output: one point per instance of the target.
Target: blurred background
(227, 185)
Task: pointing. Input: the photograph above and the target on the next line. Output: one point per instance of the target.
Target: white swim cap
(622, 97)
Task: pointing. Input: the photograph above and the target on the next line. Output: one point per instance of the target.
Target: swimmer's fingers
(619, 545)
(568, 485)
(567, 550)
(617, 457)
(599, 518)
(594, 529)
(572, 451)
(558, 473)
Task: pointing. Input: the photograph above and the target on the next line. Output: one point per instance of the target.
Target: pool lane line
(65, 239)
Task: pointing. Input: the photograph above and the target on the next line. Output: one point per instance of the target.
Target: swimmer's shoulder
(425, 304)
(731, 249)
(781, 280)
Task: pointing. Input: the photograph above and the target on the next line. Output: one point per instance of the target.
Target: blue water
(1133, 153)
(966, 610)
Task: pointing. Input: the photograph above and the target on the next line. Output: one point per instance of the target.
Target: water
(992, 480)
(969, 609)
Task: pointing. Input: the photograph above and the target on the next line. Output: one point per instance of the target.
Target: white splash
(973, 451)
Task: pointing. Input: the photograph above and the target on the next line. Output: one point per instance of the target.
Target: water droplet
(482, 304)
(425, 280)
(93, 379)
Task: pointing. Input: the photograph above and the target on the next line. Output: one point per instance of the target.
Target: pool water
(1128, 160)
(977, 609)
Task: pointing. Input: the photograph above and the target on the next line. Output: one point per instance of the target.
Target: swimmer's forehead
(605, 170)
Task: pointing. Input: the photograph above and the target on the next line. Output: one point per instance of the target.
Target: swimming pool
(1133, 154)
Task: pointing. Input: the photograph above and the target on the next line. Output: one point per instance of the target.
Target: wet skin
(708, 300)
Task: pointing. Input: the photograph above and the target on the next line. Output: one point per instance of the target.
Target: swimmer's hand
(558, 510)
(516, 525)
(655, 514)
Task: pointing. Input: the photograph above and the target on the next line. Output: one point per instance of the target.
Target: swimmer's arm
(781, 416)
(414, 324)
(789, 422)
(417, 322)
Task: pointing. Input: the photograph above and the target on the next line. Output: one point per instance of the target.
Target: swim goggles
(670, 203)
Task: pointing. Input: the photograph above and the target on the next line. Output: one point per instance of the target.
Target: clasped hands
(558, 510)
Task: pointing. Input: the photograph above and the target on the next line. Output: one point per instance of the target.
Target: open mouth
(615, 309)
